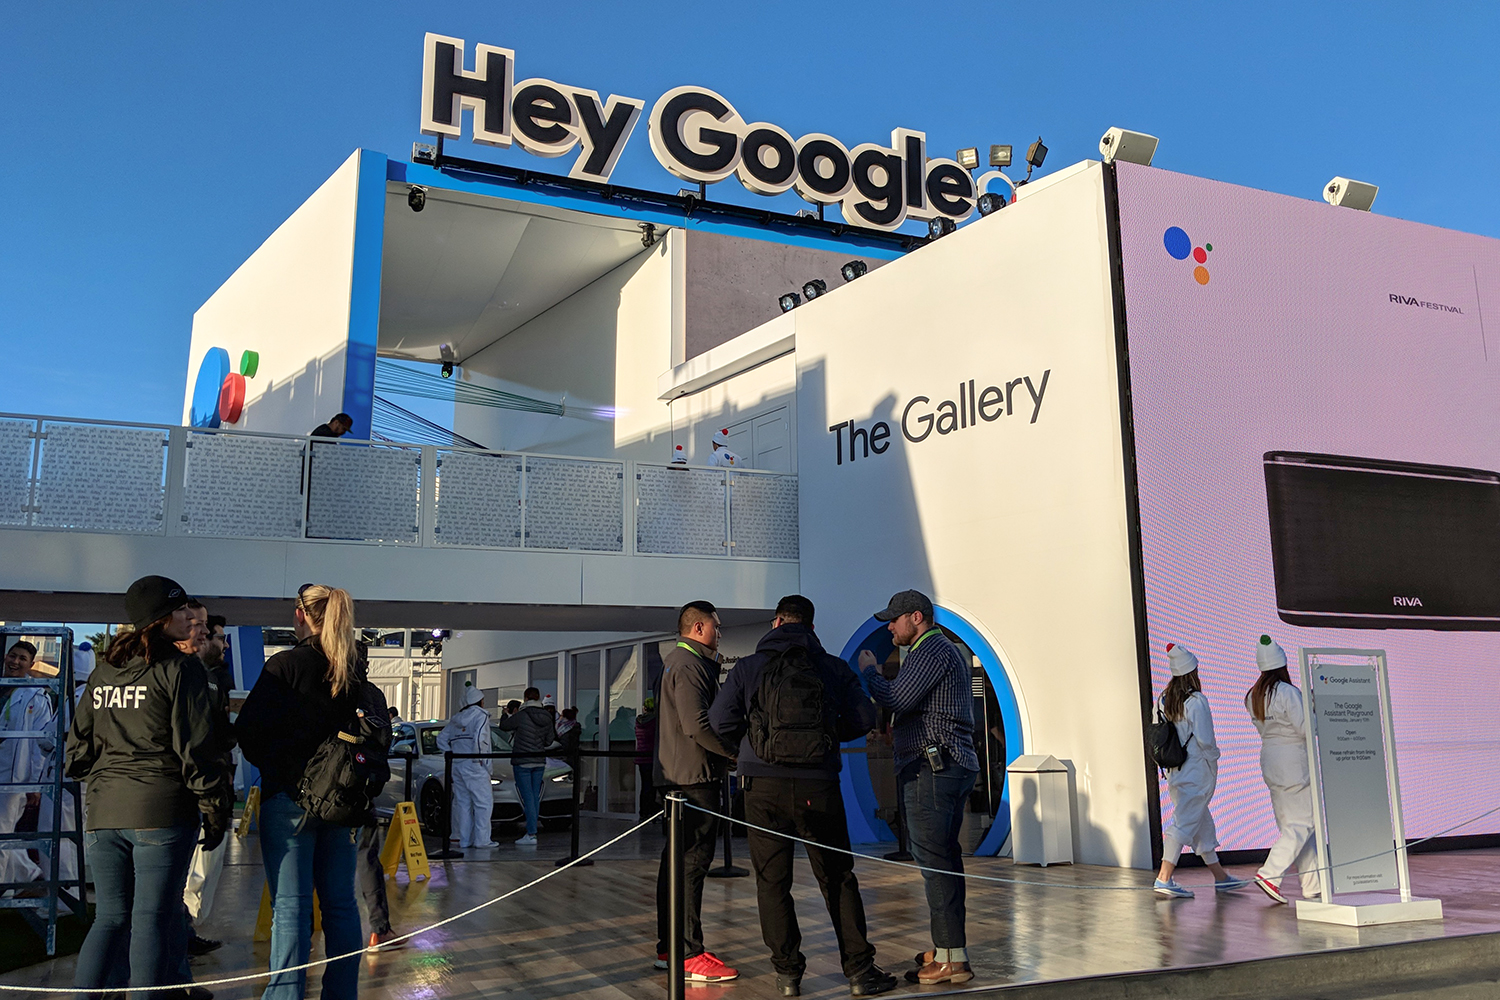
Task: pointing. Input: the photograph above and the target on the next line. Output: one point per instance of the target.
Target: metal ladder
(42, 911)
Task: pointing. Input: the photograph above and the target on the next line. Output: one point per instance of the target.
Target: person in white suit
(1275, 707)
(473, 801)
(720, 456)
(83, 666)
(22, 709)
(1191, 786)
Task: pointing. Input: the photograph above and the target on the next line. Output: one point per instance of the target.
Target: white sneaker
(493, 843)
(528, 840)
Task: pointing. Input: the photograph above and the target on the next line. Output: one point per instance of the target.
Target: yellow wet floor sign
(251, 812)
(263, 918)
(405, 839)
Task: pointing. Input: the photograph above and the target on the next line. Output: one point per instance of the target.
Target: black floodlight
(416, 198)
(814, 288)
(989, 203)
(968, 158)
(854, 269)
(999, 156)
(789, 301)
(940, 226)
(1036, 153)
(447, 369)
(423, 152)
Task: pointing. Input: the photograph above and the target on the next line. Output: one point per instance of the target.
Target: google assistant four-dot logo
(1181, 247)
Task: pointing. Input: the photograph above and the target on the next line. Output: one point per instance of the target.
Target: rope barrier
(251, 977)
(1050, 885)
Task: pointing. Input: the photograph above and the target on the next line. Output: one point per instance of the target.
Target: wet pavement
(590, 932)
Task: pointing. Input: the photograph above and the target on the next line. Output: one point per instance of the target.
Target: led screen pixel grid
(1260, 323)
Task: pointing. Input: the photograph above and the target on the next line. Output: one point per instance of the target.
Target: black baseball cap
(152, 598)
(905, 603)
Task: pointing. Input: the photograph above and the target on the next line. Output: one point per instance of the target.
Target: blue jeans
(529, 788)
(934, 812)
(139, 876)
(302, 854)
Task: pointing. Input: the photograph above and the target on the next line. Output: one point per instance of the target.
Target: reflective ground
(590, 932)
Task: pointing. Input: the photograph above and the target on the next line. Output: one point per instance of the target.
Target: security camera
(416, 198)
(1344, 193)
(1132, 147)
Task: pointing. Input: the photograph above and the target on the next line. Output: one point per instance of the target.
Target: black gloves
(218, 816)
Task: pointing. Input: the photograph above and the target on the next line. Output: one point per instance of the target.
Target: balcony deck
(456, 537)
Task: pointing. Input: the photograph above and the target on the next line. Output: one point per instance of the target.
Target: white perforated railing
(152, 479)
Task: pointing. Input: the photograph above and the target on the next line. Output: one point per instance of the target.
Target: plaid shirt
(933, 702)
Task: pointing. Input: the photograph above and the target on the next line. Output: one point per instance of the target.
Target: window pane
(542, 675)
(457, 679)
(623, 702)
(586, 687)
(622, 672)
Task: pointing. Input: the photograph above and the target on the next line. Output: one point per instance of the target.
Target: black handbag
(1167, 748)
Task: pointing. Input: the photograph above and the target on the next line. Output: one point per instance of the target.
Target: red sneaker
(1269, 888)
(706, 968)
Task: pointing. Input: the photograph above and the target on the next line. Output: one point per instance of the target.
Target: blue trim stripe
(364, 292)
(430, 177)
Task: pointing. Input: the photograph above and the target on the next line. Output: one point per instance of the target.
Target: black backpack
(1167, 748)
(788, 724)
(349, 768)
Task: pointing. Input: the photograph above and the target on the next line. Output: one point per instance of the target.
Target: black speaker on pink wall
(1370, 543)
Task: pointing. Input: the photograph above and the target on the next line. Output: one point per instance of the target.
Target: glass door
(586, 690)
(622, 705)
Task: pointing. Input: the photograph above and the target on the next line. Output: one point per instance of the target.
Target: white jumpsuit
(723, 458)
(473, 801)
(68, 866)
(1283, 764)
(1191, 786)
(27, 710)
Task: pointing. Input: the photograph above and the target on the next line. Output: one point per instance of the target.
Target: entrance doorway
(997, 741)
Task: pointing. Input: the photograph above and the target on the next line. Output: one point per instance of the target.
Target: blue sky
(150, 148)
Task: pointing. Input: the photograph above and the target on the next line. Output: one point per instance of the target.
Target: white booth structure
(1128, 408)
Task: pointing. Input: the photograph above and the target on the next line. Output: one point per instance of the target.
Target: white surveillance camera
(1132, 147)
(1343, 192)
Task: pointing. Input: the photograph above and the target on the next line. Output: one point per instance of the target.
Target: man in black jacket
(690, 759)
(203, 876)
(802, 799)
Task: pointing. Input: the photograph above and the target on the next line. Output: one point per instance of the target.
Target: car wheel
(433, 809)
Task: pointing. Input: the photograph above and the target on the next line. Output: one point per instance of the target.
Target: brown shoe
(378, 941)
(919, 961)
(944, 972)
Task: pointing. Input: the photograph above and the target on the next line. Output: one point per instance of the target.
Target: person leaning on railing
(143, 738)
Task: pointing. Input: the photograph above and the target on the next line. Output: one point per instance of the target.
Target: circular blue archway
(855, 777)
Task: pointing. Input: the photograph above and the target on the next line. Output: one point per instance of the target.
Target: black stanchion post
(727, 869)
(577, 761)
(676, 898)
(446, 852)
(409, 758)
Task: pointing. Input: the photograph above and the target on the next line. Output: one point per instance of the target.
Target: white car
(427, 781)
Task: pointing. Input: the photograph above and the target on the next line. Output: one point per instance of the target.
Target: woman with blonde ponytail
(303, 696)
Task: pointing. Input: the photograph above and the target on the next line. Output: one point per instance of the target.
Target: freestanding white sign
(1356, 789)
